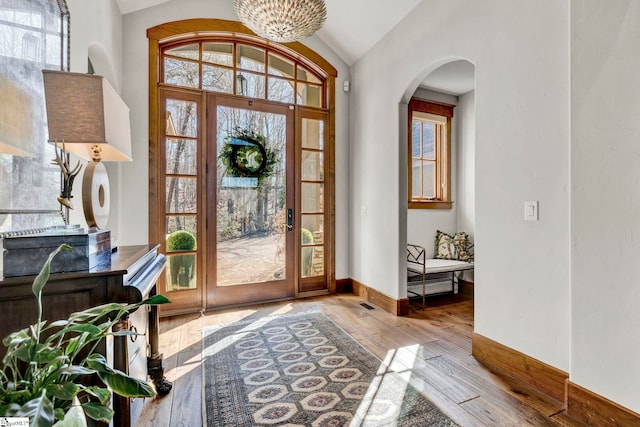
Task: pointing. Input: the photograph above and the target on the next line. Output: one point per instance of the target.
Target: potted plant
(181, 267)
(307, 254)
(46, 372)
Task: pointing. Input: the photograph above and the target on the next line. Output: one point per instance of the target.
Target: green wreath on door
(246, 155)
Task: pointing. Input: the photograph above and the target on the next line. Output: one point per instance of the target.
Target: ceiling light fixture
(282, 21)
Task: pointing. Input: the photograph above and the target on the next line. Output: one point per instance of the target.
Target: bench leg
(424, 290)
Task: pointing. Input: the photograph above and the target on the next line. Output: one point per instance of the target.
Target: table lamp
(87, 117)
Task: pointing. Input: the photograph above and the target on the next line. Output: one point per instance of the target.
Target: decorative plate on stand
(96, 199)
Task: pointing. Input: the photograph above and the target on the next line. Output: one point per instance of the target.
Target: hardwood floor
(432, 346)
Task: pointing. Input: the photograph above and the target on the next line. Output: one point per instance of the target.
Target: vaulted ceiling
(355, 26)
(352, 26)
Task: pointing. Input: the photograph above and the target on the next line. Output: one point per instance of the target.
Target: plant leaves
(77, 370)
(156, 300)
(97, 411)
(57, 324)
(83, 327)
(56, 364)
(22, 353)
(42, 277)
(39, 410)
(72, 345)
(98, 362)
(96, 312)
(118, 381)
(48, 363)
(9, 410)
(77, 343)
(74, 417)
(59, 413)
(16, 338)
(45, 354)
(127, 386)
(20, 391)
(102, 394)
(38, 283)
(64, 390)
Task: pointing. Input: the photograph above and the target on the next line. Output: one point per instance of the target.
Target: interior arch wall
(522, 115)
(422, 224)
(102, 64)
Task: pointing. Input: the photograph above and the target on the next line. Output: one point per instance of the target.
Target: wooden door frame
(180, 298)
(203, 27)
(269, 290)
(329, 202)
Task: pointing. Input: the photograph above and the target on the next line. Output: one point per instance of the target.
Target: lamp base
(96, 198)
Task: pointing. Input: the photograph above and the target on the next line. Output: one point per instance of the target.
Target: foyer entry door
(250, 201)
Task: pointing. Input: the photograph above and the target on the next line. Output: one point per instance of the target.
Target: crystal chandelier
(282, 21)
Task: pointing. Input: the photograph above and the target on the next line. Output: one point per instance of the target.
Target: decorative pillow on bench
(453, 247)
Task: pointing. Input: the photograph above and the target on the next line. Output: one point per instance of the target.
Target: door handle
(289, 219)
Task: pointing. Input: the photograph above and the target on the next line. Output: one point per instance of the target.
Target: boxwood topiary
(181, 240)
(181, 267)
(307, 239)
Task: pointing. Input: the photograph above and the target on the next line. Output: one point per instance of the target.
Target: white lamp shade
(84, 110)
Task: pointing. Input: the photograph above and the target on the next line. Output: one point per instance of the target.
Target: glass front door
(250, 244)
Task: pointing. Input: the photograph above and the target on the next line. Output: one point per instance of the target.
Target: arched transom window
(240, 68)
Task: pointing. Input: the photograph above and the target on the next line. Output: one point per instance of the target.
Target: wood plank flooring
(431, 348)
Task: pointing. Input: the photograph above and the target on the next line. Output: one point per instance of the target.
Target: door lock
(289, 219)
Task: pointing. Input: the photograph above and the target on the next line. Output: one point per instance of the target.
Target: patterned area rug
(303, 370)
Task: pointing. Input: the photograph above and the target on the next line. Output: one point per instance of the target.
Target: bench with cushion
(422, 272)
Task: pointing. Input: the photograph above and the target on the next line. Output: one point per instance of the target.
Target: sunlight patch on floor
(400, 359)
(241, 334)
(234, 315)
(284, 309)
(385, 395)
(223, 343)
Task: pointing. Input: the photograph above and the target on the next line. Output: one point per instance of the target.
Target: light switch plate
(531, 210)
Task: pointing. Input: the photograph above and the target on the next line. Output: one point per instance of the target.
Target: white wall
(422, 224)
(522, 153)
(466, 159)
(466, 163)
(605, 138)
(97, 23)
(430, 95)
(135, 227)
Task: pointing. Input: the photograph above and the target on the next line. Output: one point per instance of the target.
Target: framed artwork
(34, 35)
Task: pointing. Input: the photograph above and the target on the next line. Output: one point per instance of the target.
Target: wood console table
(130, 278)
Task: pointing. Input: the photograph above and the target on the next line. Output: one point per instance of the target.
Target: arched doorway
(241, 155)
(442, 171)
